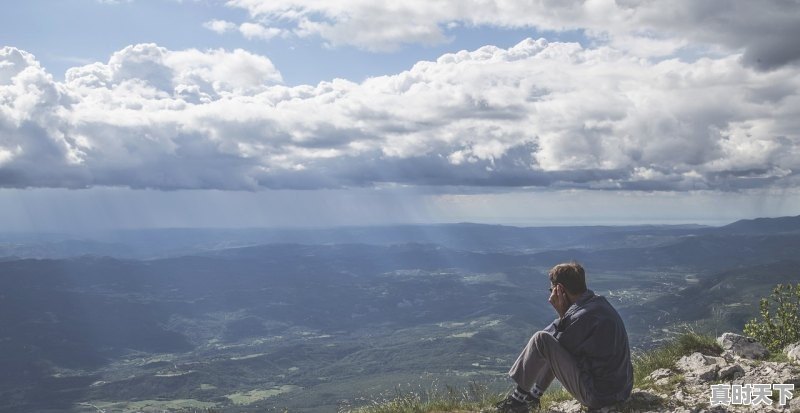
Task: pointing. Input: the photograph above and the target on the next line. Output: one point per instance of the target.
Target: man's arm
(552, 328)
(576, 334)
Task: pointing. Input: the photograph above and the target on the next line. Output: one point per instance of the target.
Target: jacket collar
(586, 296)
(582, 299)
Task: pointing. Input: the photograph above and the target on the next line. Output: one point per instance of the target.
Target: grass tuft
(665, 356)
(553, 397)
(779, 357)
(473, 397)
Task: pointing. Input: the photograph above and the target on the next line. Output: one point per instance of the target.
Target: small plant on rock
(780, 318)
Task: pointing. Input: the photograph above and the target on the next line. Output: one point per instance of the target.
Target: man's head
(571, 275)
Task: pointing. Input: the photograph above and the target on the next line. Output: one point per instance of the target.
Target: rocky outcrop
(686, 387)
(742, 346)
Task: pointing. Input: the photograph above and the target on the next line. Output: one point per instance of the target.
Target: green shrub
(780, 325)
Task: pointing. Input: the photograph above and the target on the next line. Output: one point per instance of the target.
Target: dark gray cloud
(765, 32)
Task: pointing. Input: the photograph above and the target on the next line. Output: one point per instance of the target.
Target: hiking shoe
(512, 405)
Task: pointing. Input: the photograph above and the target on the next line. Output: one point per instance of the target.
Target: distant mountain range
(212, 315)
(760, 226)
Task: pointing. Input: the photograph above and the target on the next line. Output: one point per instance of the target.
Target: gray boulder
(742, 346)
(733, 371)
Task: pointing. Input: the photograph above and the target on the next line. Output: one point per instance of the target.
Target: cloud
(219, 26)
(537, 114)
(192, 74)
(764, 30)
(248, 30)
(257, 31)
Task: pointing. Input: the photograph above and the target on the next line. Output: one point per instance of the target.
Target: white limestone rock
(571, 406)
(699, 367)
(793, 351)
(697, 360)
(659, 374)
(794, 403)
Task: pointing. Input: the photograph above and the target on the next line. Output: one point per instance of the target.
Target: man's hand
(559, 300)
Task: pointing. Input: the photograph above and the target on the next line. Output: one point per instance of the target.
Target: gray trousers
(543, 359)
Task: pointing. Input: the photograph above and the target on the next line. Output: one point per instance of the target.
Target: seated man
(586, 348)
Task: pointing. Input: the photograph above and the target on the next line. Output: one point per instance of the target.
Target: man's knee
(541, 336)
(540, 339)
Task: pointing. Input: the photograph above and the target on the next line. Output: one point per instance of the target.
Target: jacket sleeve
(578, 335)
(552, 328)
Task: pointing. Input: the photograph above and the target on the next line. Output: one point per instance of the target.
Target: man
(586, 348)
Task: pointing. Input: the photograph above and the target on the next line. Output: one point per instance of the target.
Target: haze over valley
(319, 320)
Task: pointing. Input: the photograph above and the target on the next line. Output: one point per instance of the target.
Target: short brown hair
(571, 275)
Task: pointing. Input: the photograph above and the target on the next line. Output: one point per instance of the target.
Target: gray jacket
(593, 332)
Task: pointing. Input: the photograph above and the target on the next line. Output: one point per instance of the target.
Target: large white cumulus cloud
(765, 30)
(536, 114)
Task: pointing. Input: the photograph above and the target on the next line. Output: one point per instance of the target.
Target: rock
(793, 351)
(699, 367)
(568, 407)
(794, 404)
(642, 400)
(733, 371)
(691, 362)
(742, 346)
(697, 360)
(747, 368)
(707, 373)
(659, 374)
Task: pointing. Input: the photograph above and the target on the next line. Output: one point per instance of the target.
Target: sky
(242, 113)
